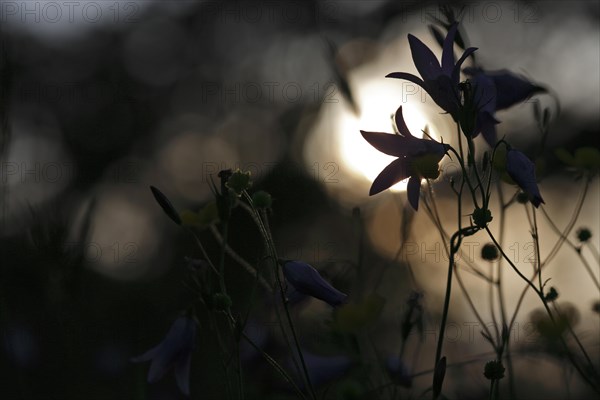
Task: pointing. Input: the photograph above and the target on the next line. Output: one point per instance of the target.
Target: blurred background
(100, 99)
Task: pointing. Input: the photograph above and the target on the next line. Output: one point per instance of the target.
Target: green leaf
(587, 157)
(353, 317)
(564, 156)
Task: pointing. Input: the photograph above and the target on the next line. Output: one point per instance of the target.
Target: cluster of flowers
(472, 104)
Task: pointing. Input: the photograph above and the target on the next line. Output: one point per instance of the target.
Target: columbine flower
(307, 280)
(417, 159)
(174, 352)
(494, 91)
(439, 81)
(522, 171)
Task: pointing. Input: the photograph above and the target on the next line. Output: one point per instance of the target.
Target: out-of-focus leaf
(341, 76)
(352, 317)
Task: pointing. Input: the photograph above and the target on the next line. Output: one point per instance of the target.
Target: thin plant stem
(541, 296)
(240, 260)
(570, 225)
(576, 248)
(593, 250)
(263, 227)
(536, 240)
(501, 300)
(434, 215)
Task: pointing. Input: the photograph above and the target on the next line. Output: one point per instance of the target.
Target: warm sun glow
(377, 104)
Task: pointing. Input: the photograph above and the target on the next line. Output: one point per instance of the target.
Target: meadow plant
(362, 370)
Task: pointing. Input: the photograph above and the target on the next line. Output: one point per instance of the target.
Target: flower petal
(512, 89)
(522, 170)
(456, 71)
(424, 59)
(406, 76)
(178, 342)
(448, 50)
(161, 364)
(307, 280)
(393, 145)
(147, 356)
(396, 171)
(400, 124)
(487, 126)
(182, 373)
(413, 191)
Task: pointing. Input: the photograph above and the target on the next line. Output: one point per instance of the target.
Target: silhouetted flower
(174, 352)
(522, 170)
(417, 159)
(494, 91)
(307, 280)
(510, 88)
(479, 107)
(439, 81)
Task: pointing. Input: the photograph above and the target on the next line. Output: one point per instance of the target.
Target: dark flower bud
(239, 181)
(262, 199)
(481, 217)
(221, 302)
(551, 295)
(494, 370)
(522, 170)
(307, 280)
(166, 205)
(489, 252)
(584, 234)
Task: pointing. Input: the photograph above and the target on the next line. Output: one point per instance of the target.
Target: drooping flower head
(307, 280)
(494, 91)
(174, 352)
(417, 159)
(440, 81)
(522, 170)
(510, 88)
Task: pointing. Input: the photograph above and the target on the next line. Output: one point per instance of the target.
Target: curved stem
(570, 225)
(240, 260)
(545, 304)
